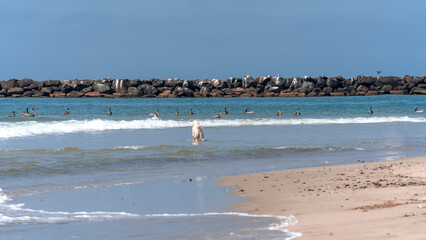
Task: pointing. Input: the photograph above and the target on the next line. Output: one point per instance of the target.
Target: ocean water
(93, 176)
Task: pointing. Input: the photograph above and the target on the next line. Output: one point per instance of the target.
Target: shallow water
(61, 166)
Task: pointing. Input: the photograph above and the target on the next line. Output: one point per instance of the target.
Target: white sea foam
(31, 128)
(129, 147)
(11, 214)
(284, 220)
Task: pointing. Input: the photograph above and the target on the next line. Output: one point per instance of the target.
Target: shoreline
(374, 200)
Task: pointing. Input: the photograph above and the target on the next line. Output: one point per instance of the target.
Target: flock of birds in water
(157, 113)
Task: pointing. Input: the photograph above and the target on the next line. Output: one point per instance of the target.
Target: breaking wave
(32, 128)
(308, 149)
(12, 214)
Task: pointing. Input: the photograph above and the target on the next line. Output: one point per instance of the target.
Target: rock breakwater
(247, 86)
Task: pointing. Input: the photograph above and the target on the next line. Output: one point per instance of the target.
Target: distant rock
(102, 88)
(11, 83)
(15, 90)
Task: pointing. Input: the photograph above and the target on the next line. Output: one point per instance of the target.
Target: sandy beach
(374, 200)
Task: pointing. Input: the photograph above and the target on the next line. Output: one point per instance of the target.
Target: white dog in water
(197, 131)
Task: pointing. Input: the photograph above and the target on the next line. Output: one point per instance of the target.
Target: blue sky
(189, 39)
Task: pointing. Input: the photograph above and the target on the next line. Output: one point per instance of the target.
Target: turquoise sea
(88, 175)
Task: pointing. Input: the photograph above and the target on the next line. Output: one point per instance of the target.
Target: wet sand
(374, 200)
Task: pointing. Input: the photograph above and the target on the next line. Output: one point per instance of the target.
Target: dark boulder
(248, 82)
(25, 82)
(316, 90)
(205, 83)
(333, 83)
(321, 83)
(134, 83)
(134, 92)
(393, 81)
(296, 83)
(37, 94)
(11, 83)
(46, 91)
(235, 82)
(386, 89)
(173, 82)
(273, 89)
(362, 88)
(276, 82)
(264, 80)
(217, 93)
(260, 88)
(204, 91)
(120, 85)
(31, 87)
(188, 84)
(28, 94)
(102, 88)
(15, 90)
(183, 92)
(147, 89)
(75, 94)
(164, 89)
(307, 86)
(70, 85)
(86, 90)
(82, 84)
(327, 90)
(157, 82)
(51, 83)
(418, 91)
(414, 80)
(348, 82)
(366, 81)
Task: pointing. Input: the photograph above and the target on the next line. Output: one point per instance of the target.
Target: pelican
(225, 111)
(245, 111)
(67, 112)
(109, 112)
(23, 113)
(415, 110)
(218, 115)
(297, 113)
(279, 113)
(27, 114)
(190, 112)
(177, 111)
(155, 114)
(371, 110)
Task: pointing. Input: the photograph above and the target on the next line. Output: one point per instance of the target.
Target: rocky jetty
(247, 86)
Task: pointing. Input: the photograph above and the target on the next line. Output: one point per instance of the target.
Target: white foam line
(31, 128)
(16, 214)
(284, 220)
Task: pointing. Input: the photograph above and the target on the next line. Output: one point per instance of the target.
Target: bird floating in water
(246, 111)
(297, 113)
(418, 111)
(279, 113)
(218, 115)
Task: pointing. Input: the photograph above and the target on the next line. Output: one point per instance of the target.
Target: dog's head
(195, 122)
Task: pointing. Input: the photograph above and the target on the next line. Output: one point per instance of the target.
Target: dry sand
(375, 200)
